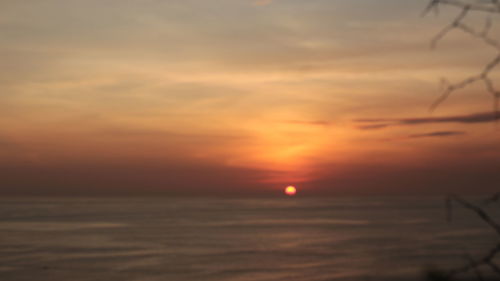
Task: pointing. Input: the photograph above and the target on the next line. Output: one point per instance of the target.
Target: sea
(236, 239)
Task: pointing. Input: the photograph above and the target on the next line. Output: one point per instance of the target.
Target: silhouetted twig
(488, 259)
(478, 210)
(492, 199)
(491, 7)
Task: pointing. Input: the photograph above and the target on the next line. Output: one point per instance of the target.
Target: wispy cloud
(321, 123)
(372, 127)
(379, 123)
(147, 133)
(434, 134)
(438, 134)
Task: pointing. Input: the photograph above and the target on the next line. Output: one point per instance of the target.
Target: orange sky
(237, 97)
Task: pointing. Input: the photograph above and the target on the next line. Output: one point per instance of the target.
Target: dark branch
(491, 7)
(488, 259)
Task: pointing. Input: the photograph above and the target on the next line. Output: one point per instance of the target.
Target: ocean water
(293, 239)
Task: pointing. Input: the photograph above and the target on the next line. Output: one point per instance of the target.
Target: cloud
(438, 134)
(203, 137)
(309, 123)
(373, 127)
(380, 123)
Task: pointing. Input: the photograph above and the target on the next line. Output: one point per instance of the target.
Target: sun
(290, 190)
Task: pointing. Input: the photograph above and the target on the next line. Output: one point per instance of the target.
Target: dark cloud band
(379, 123)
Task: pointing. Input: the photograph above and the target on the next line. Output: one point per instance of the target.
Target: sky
(240, 98)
